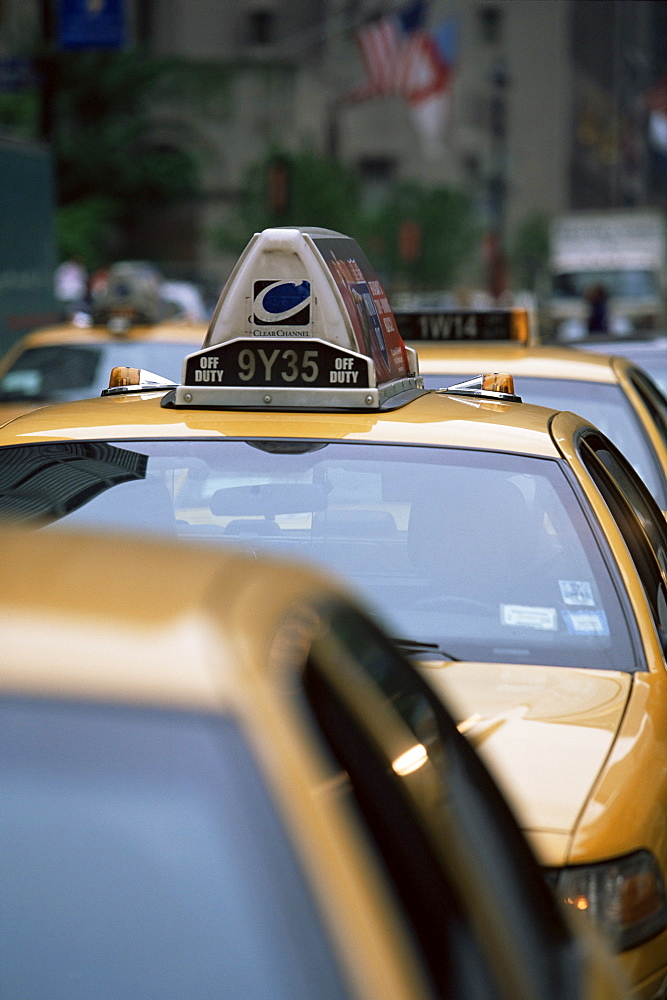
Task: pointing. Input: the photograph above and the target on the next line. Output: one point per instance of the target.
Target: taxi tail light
(624, 897)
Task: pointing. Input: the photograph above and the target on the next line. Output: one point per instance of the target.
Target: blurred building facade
(545, 111)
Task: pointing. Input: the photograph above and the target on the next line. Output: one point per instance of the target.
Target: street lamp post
(46, 67)
(497, 182)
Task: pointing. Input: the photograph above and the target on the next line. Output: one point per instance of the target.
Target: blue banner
(91, 24)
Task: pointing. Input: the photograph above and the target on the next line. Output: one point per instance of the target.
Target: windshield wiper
(416, 647)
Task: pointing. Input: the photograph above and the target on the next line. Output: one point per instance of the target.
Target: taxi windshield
(71, 371)
(602, 404)
(486, 555)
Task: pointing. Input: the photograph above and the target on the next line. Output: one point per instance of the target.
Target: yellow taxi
(613, 392)
(647, 351)
(219, 779)
(129, 323)
(511, 548)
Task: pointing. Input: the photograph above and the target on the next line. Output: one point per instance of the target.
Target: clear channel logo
(281, 302)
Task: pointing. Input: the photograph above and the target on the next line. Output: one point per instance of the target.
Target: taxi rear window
(143, 856)
(486, 555)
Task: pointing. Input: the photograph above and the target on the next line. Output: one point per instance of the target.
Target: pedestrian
(71, 285)
(597, 299)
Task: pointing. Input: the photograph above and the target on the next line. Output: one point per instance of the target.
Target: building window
(377, 174)
(260, 27)
(490, 23)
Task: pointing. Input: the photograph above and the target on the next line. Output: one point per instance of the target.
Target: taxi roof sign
(131, 297)
(303, 321)
(465, 325)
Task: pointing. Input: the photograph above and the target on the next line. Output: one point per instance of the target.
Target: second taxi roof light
(511, 324)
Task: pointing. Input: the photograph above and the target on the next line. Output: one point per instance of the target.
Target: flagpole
(46, 71)
(497, 183)
(333, 128)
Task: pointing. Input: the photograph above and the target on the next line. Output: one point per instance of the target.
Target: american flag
(403, 59)
(396, 53)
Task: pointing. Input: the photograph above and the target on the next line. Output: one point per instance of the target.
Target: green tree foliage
(421, 236)
(19, 114)
(85, 227)
(293, 189)
(101, 134)
(98, 119)
(308, 189)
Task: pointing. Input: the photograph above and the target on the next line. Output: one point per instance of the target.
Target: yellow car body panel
(568, 719)
(517, 359)
(598, 737)
(177, 627)
(581, 762)
(433, 419)
(200, 644)
(71, 333)
(290, 285)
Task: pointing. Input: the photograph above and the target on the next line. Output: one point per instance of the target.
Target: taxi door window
(417, 827)
(637, 516)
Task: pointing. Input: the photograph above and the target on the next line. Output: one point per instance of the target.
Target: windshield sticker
(577, 592)
(525, 616)
(586, 622)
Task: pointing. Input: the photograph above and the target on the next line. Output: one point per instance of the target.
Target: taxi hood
(544, 732)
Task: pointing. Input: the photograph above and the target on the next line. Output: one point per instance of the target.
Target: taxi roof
(183, 330)
(434, 418)
(521, 360)
(153, 634)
